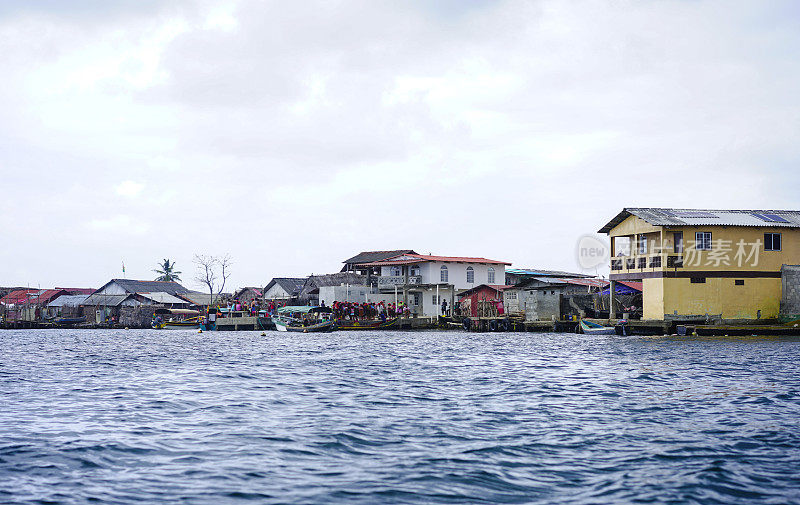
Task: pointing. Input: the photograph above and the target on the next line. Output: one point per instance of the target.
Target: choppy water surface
(434, 417)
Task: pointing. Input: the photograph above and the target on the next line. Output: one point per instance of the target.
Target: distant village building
(66, 306)
(515, 276)
(477, 301)
(359, 262)
(109, 299)
(547, 298)
(310, 292)
(702, 263)
(283, 288)
(248, 294)
(422, 282)
(32, 304)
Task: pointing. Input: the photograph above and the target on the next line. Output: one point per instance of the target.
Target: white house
(423, 281)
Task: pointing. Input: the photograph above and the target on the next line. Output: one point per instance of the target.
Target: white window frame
(700, 242)
(772, 245)
(395, 271)
(444, 275)
(470, 275)
(490, 275)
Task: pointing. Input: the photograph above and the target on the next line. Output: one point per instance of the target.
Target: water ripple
(128, 417)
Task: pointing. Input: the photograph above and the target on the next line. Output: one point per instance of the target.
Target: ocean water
(169, 417)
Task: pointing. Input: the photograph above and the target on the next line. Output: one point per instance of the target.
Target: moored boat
(590, 328)
(178, 319)
(303, 319)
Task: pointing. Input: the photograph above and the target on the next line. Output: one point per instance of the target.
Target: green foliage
(167, 272)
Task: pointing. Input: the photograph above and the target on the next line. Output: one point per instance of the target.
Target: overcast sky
(293, 135)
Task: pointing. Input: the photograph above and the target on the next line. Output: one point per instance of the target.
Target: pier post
(611, 309)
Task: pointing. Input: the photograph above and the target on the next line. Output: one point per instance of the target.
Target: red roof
(409, 259)
(79, 291)
(18, 296)
(637, 285)
(494, 287)
(47, 295)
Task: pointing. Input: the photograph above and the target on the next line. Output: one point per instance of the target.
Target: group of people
(254, 307)
(354, 311)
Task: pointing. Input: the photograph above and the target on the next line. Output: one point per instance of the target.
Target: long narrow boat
(302, 319)
(179, 319)
(343, 324)
(590, 328)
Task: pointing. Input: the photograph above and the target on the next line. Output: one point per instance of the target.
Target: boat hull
(324, 326)
(588, 328)
(372, 325)
(179, 326)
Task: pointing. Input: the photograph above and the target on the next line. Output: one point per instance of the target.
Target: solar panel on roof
(770, 218)
(695, 213)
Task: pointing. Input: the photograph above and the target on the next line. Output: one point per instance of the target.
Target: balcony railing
(398, 280)
(647, 261)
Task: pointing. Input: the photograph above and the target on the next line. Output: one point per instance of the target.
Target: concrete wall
(330, 294)
(721, 297)
(457, 273)
(790, 288)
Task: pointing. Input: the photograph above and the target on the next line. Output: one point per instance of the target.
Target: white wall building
(424, 281)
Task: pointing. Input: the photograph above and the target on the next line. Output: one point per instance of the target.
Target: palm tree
(167, 272)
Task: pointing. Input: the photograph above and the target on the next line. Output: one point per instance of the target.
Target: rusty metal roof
(708, 217)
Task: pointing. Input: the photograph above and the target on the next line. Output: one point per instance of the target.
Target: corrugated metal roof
(291, 285)
(135, 286)
(371, 256)
(197, 298)
(105, 300)
(542, 273)
(18, 296)
(160, 297)
(68, 301)
(708, 217)
(495, 287)
(410, 259)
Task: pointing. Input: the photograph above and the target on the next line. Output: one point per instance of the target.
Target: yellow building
(723, 264)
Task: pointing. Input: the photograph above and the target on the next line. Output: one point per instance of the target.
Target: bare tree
(213, 271)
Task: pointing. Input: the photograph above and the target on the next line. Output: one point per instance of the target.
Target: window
(702, 241)
(512, 295)
(622, 246)
(630, 263)
(677, 242)
(470, 275)
(772, 241)
(616, 264)
(434, 300)
(738, 282)
(490, 280)
(698, 280)
(416, 298)
(655, 262)
(642, 240)
(414, 269)
(443, 274)
(642, 263)
(674, 261)
(395, 271)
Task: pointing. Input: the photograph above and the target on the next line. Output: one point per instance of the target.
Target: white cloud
(513, 126)
(129, 188)
(119, 225)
